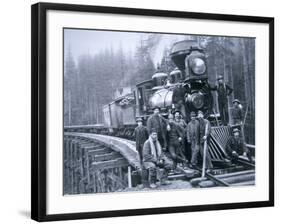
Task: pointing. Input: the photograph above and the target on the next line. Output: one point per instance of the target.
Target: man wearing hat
(236, 113)
(204, 135)
(192, 135)
(141, 135)
(154, 160)
(175, 141)
(159, 123)
(236, 147)
(183, 125)
(224, 91)
(178, 119)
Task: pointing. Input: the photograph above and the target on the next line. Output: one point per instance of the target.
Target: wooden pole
(129, 177)
(204, 152)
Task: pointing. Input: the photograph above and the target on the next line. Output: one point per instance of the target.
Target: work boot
(152, 186)
(145, 177)
(164, 181)
(152, 178)
(163, 178)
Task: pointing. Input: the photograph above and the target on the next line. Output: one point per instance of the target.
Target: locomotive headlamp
(198, 66)
(197, 100)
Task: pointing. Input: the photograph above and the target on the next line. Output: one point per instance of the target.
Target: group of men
(162, 144)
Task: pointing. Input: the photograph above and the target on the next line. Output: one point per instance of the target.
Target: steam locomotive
(186, 89)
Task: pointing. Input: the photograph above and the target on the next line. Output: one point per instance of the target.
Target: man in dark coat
(192, 136)
(224, 91)
(237, 113)
(204, 136)
(175, 141)
(179, 120)
(141, 135)
(236, 147)
(154, 160)
(183, 125)
(159, 123)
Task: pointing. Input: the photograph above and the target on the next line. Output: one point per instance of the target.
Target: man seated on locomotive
(204, 135)
(155, 161)
(192, 135)
(236, 147)
(224, 91)
(159, 123)
(237, 113)
(175, 142)
(141, 135)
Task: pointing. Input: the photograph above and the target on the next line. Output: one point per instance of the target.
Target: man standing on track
(192, 135)
(141, 135)
(204, 136)
(175, 138)
(183, 125)
(159, 123)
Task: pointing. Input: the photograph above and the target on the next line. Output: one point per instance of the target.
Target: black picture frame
(39, 108)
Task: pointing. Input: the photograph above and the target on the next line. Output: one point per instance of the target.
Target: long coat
(150, 160)
(192, 132)
(175, 132)
(237, 115)
(159, 123)
(141, 135)
(202, 130)
(223, 90)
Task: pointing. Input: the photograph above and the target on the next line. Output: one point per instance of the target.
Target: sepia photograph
(157, 111)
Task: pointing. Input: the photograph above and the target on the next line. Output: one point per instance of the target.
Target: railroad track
(108, 156)
(238, 176)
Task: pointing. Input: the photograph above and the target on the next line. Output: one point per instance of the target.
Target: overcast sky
(93, 41)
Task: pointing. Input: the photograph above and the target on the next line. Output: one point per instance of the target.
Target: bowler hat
(177, 111)
(156, 107)
(138, 119)
(220, 77)
(200, 112)
(153, 130)
(237, 101)
(236, 130)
